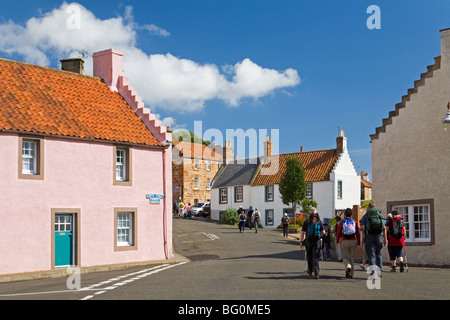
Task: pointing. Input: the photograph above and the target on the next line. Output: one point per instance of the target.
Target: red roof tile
(197, 150)
(317, 165)
(42, 100)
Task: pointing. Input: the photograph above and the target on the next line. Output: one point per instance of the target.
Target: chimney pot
(301, 149)
(75, 65)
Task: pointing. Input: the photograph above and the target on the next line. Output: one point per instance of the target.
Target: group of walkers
(371, 232)
(184, 210)
(249, 219)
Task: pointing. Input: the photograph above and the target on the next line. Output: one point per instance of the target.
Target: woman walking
(348, 238)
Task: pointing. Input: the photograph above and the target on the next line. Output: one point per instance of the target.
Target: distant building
(366, 187)
(410, 162)
(194, 166)
(330, 177)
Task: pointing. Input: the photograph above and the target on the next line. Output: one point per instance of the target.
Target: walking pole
(406, 259)
(321, 248)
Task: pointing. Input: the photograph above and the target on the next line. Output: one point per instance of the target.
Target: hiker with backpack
(256, 217)
(395, 229)
(326, 239)
(348, 238)
(285, 223)
(312, 231)
(242, 218)
(375, 237)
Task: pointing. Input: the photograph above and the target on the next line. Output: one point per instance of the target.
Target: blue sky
(321, 67)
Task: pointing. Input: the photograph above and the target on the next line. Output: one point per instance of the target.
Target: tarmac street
(216, 262)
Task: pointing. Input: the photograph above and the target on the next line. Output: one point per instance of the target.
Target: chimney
(365, 175)
(75, 65)
(301, 149)
(227, 153)
(108, 65)
(267, 147)
(341, 142)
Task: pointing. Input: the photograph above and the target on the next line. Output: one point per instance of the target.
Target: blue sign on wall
(155, 198)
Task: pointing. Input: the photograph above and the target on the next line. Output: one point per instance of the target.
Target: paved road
(227, 265)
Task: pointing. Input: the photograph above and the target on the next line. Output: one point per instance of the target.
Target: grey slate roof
(238, 173)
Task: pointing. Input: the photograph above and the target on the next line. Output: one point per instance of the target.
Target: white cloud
(162, 80)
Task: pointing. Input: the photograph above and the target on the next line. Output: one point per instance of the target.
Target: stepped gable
(407, 97)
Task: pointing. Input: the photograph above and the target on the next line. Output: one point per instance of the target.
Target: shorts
(395, 252)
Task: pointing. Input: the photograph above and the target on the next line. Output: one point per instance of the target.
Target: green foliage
(308, 203)
(230, 216)
(292, 185)
(184, 135)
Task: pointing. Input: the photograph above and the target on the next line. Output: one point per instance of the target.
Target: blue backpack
(314, 229)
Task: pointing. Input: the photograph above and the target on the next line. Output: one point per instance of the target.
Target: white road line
(140, 274)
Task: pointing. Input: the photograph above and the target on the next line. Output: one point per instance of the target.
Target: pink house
(85, 169)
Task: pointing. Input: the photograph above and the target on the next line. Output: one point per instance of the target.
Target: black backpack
(397, 227)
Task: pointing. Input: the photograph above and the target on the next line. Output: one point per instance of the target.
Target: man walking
(312, 230)
(375, 237)
(285, 223)
(256, 217)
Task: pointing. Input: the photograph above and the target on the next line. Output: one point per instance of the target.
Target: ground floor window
(125, 227)
(269, 217)
(418, 216)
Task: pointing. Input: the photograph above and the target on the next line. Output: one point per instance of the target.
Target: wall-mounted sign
(155, 198)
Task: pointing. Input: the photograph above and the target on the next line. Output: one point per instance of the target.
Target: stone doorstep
(62, 272)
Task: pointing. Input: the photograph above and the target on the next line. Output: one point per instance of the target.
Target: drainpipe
(166, 249)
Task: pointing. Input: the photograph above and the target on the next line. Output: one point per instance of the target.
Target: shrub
(230, 216)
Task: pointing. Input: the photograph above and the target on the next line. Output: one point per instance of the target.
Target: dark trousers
(285, 230)
(312, 254)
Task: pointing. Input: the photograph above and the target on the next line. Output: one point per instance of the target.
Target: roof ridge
(50, 69)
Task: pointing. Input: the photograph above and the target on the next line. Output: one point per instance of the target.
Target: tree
(292, 185)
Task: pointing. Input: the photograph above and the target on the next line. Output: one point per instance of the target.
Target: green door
(63, 240)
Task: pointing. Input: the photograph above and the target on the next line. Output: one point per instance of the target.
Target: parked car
(198, 209)
(207, 209)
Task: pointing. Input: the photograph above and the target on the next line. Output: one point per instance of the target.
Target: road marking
(136, 276)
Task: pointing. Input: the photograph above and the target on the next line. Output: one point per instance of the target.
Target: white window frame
(196, 183)
(223, 195)
(208, 165)
(196, 164)
(124, 231)
(208, 183)
(309, 190)
(269, 192)
(29, 156)
(417, 221)
(339, 194)
(239, 196)
(121, 164)
(270, 217)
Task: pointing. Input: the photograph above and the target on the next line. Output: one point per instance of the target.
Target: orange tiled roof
(365, 183)
(317, 165)
(42, 100)
(197, 150)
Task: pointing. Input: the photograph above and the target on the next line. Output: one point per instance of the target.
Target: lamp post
(446, 120)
